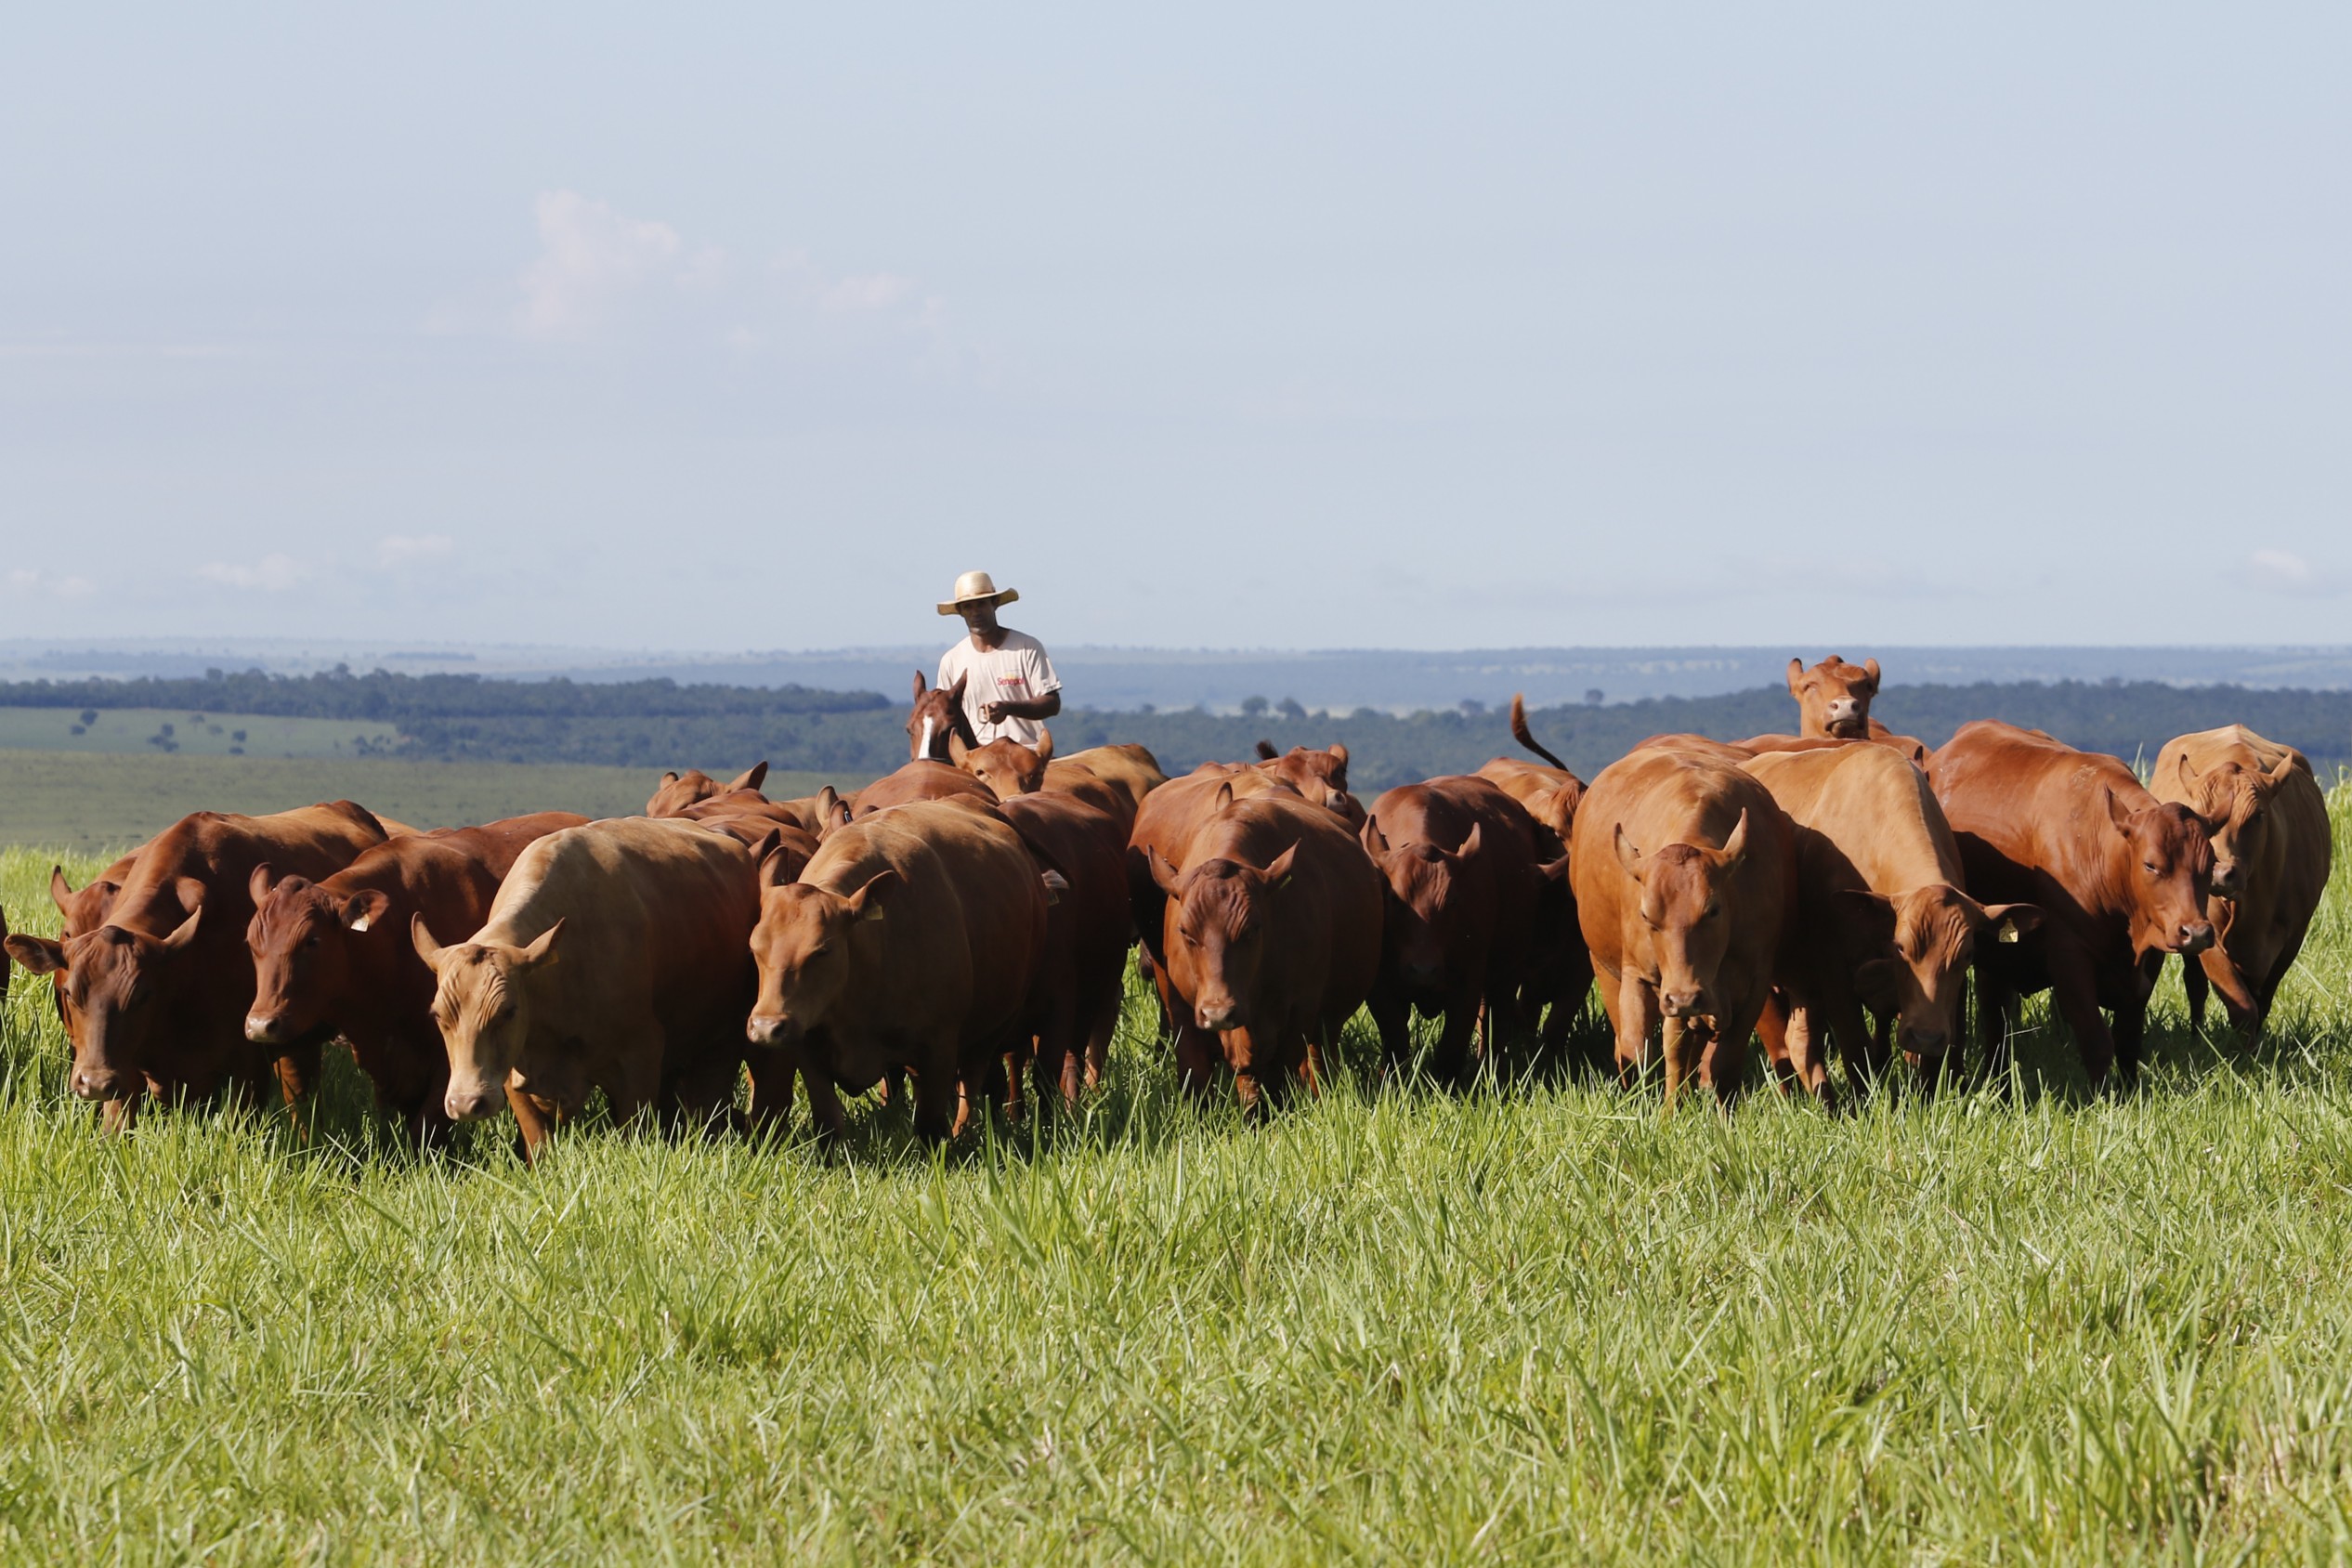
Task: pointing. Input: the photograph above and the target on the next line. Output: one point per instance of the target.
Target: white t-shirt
(1014, 671)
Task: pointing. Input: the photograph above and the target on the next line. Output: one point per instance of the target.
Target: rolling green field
(92, 801)
(137, 731)
(1537, 1322)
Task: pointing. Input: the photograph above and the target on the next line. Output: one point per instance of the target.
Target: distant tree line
(658, 723)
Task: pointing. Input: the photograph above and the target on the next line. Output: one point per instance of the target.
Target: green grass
(1540, 1324)
(90, 801)
(137, 730)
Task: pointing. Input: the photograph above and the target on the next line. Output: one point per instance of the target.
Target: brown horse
(939, 714)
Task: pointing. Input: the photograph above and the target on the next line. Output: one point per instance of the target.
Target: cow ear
(867, 903)
(1869, 915)
(42, 955)
(2185, 775)
(1266, 751)
(421, 938)
(363, 909)
(1339, 755)
(184, 932)
(750, 777)
(2277, 773)
(1044, 748)
(1056, 885)
(2115, 812)
(260, 882)
(1628, 857)
(671, 776)
(1795, 671)
(59, 889)
(1375, 842)
(2008, 922)
(829, 809)
(1223, 798)
(1165, 876)
(189, 891)
(1278, 868)
(1470, 845)
(1870, 668)
(1736, 845)
(542, 948)
(1553, 870)
(958, 753)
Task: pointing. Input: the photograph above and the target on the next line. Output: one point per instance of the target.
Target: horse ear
(955, 692)
(1044, 748)
(919, 688)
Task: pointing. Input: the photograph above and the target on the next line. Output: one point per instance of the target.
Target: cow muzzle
(1683, 1004)
(264, 1028)
(772, 1029)
(1215, 1014)
(2195, 937)
(2228, 879)
(476, 1102)
(106, 1083)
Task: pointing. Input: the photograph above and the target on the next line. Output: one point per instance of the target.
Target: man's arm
(1043, 708)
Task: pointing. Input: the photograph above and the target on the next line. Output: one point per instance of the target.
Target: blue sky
(1219, 325)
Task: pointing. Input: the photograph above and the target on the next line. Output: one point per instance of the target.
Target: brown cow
(1686, 884)
(908, 944)
(1886, 924)
(2120, 879)
(679, 790)
(155, 998)
(1456, 859)
(84, 910)
(1007, 767)
(2273, 852)
(1271, 933)
(333, 957)
(1081, 969)
(919, 780)
(613, 957)
(937, 721)
(1833, 697)
(1129, 768)
(1321, 777)
(1549, 790)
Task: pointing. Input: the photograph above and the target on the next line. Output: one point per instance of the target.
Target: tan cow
(1886, 923)
(678, 790)
(2272, 852)
(1129, 768)
(1685, 875)
(1006, 766)
(614, 958)
(908, 944)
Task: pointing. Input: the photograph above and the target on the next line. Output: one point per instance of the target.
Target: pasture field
(90, 801)
(137, 731)
(1539, 1322)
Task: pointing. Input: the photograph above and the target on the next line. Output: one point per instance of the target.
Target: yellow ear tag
(2009, 931)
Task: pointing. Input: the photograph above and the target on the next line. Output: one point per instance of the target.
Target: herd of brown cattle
(970, 917)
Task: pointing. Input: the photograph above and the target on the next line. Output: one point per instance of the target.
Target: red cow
(155, 998)
(1456, 857)
(2120, 879)
(1081, 971)
(1271, 934)
(333, 957)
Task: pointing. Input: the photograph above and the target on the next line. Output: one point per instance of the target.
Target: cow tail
(1525, 736)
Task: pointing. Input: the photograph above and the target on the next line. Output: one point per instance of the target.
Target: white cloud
(48, 585)
(590, 257)
(271, 574)
(2283, 571)
(396, 550)
(602, 275)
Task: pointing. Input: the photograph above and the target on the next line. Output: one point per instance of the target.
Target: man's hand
(1045, 706)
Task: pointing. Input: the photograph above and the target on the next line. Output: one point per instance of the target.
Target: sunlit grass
(1539, 1322)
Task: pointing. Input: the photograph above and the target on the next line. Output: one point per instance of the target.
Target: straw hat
(974, 586)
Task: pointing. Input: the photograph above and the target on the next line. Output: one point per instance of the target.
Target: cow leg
(298, 1075)
(1099, 1036)
(533, 1121)
(824, 1102)
(1681, 1049)
(1634, 1016)
(940, 1100)
(2192, 981)
(1774, 1023)
(1996, 1021)
(1394, 1017)
(1451, 1065)
(2075, 991)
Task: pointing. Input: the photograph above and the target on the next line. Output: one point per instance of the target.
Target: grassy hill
(1540, 1323)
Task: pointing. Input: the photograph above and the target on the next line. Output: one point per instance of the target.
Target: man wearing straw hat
(1012, 688)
